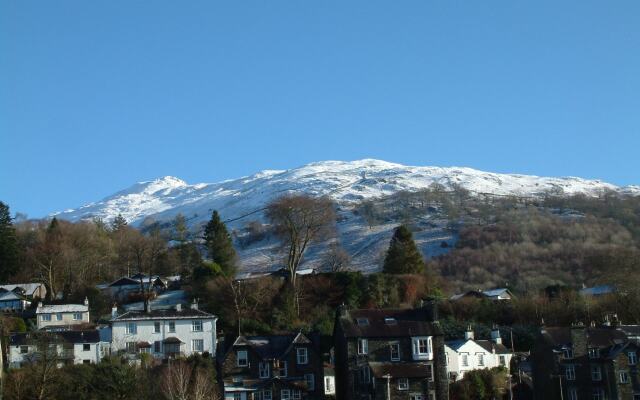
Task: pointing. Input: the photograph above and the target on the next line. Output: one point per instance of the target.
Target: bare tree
(336, 258)
(300, 221)
(180, 381)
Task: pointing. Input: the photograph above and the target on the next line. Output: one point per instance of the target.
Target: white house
(164, 333)
(62, 316)
(71, 347)
(470, 354)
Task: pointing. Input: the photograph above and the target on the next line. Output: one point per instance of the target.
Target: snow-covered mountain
(241, 200)
(346, 182)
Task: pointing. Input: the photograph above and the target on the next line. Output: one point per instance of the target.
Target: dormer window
(633, 360)
(302, 356)
(390, 321)
(594, 353)
(242, 358)
(363, 346)
(422, 348)
(362, 321)
(567, 352)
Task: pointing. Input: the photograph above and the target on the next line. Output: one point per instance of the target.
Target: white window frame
(422, 347)
(131, 328)
(633, 358)
(597, 394)
(172, 327)
(430, 374)
(296, 394)
(624, 377)
(464, 360)
(596, 373)
(310, 379)
(130, 347)
(264, 370)
(267, 395)
(193, 345)
(46, 317)
(480, 360)
(396, 346)
(242, 355)
(196, 325)
(302, 356)
(403, 384)
(363, 346)
(573, 393)
(570, 372)
(328, 384)
(285, 394)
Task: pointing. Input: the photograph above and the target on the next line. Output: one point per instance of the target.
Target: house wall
(472, 350)
(95, 353)
(67, 319)
(184, 332)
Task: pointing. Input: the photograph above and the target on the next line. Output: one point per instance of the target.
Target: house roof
(88, 336)
(271, 346)
(61, 308)
(172, 340)
(492, 293)
(389, 323)
(398, 370)
(596, 337)
(598, 290)
(11, 296)
(29, 288)
(184, 313)
(491, 346)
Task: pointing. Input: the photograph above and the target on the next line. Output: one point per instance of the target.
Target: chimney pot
(178, 307)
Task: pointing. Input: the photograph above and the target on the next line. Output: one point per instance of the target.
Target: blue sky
(95, 96)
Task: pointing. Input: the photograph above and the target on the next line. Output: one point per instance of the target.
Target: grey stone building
(390, 354)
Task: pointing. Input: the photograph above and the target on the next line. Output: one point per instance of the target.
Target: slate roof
(398, 370)
(598, 290)
(184, 313)
(596, 337)
(271, 347)
(61, 308)
(11, 296)
(89, 336)
(29, 288)
(490, 346)
(406, 322)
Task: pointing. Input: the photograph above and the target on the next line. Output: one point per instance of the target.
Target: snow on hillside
(346, 182)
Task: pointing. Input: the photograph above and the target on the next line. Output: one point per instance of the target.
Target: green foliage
(206, 270)
(8, 245)
(255, 327)
(483, 384)
(219, 245)
(403, 256)
(118, 223)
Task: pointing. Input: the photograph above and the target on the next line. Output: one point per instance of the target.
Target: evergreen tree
(219, 245)
(8, 244)
(403, 256)
(118, 223)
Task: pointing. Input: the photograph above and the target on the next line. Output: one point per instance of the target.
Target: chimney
(194, 304)
(39, 304)
(86, 301)
(430, 305)
(468, 335)
(178, 307)
(114, 311)
(495, 335)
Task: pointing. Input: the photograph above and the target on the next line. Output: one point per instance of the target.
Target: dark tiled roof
(490, 346)
(596, 337)
(271, 346)
(90, 336)
(407, 322)
(172, 340)
(184, 313)
(398, 370)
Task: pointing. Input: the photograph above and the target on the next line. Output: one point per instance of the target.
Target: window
(86, 361)
(77, 316)
(429, 372)
(24, 349)
(403, 384)
(156, 327)
(302, 356)
(503, 361)
(415, 396)
(481, 360)
(131, 347)
(266, 394)
(594, 353)
(196, 325)
(573, 394)
(132, 328)
(390, 321)
(297, 394)
(597, 394)
(633, 359)
(241, 358)
(172, 326)
(624, 377)
(567, 352)
(365, 375)
(596, 373)
(46, 317)
(263, 367)
(86, 347)
(570, 372)
(285, 394)
(157, 346)
(144, 350)
(197, 345)
(283, 369)
(237, 396)
(394, 349)
(310, 379)
(362, 321)
(422, 348)
(363, 346)
(465, 360)
(328, 385)
(59, 316)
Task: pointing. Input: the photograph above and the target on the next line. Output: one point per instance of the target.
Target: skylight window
(390, 321)
(362, 321)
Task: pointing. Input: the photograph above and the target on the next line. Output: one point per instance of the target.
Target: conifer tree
(403, 256)
(118, 223)
(219, 244)
(8, 244)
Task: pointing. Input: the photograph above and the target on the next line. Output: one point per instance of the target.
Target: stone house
(390, 354)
